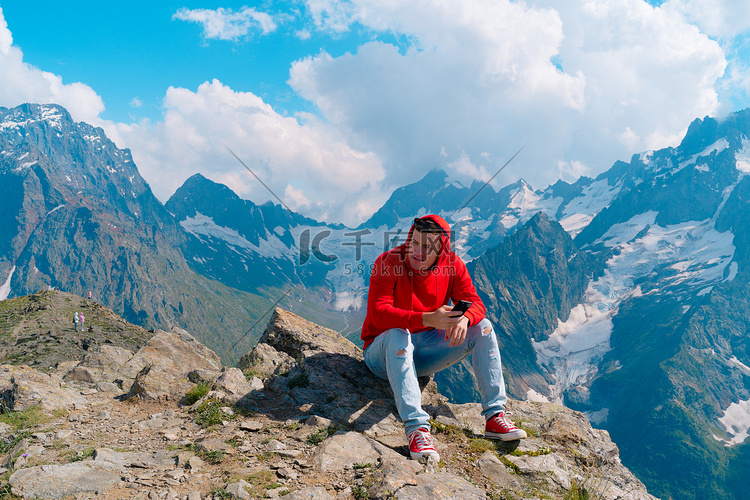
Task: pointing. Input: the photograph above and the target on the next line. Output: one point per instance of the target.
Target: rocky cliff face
(77, 215)
(305, 419)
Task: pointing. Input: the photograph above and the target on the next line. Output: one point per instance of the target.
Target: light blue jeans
(400, 357)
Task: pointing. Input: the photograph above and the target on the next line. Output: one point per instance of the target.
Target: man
(410, 331)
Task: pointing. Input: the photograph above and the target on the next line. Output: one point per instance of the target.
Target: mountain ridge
(170, 420)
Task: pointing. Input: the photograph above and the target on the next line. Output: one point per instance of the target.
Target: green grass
(451, 431)
(260, 482)
(33, 417)
(6, 446)
(321, 435)
(209, 414)
(589, 489)
(197, 392)
(299, 380)
(78, 456)
(212, 457)
(360, 493)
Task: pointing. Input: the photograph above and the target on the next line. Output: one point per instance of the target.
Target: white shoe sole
(508, 436)
(433, 456)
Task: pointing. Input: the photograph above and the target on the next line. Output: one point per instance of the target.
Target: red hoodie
(399, 295)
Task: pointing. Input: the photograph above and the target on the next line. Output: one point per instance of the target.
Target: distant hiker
(410, 331)
(75, 321)
(82, 318)
(89, 294)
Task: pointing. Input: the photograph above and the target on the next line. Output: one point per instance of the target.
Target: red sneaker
(420, 444)
(500, 427)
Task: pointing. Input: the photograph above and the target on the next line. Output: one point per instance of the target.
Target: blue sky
(335, 103)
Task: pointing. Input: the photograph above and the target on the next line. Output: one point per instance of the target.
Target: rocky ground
(300, 418)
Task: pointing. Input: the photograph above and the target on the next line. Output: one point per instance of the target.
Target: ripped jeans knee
(390, 347)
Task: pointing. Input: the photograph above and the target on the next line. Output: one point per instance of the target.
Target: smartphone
(461, 306)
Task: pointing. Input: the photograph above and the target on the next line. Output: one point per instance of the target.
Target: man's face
(424, 249)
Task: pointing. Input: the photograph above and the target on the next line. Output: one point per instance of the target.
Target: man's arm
(380, 300)
(463, 289)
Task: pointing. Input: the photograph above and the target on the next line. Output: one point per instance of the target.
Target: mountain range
(621, 296)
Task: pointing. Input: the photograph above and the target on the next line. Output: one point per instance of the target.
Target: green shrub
(197, 392)
(299, 380)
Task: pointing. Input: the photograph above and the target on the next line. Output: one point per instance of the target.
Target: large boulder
(161, 367)
(326, 375)
(23, 387)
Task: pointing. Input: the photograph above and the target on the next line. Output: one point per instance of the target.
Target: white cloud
(301, 159)
(582, 82)
(225, 24)
(21, 83)
(716, 18)
(136, 103)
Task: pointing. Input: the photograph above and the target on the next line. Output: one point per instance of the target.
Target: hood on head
(445, 238)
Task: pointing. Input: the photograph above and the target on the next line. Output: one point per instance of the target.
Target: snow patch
(5, 287)
(742, 157)
(574, 349)
(736, 422)
(733, 268)
(56, 209)
(716, 147)
(204, 225)
(24, 166)
(532, 395)
(582, 209)
(597, 417)
(739, 364)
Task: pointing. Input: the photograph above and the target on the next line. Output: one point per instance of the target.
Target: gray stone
(265, 361)
(60, 481)
(316, 492)
(160, 368)
(496, 471)
(232, 385)
(392, 475)
(195, 463)
(212, 444)
(80, 374)
(237, 490)
(105, 361)
(162, 459)
(346, 449)
(439, 486)
(250, 426)
(27, 388)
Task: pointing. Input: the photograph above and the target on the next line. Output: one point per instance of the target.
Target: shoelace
(423, 440)
(503, 420)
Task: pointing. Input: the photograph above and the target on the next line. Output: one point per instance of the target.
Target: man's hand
(444, 319)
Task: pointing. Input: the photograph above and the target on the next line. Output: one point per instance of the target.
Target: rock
(162, 459)
(61, 481)
(195, 463)
(347, 449)
(495, 470)
(329, 378)
(392, 475)
(237, 490)
(265, 361)
(212, 444)
(160, 368)
(80, 374)
(295, 336)
(23, 388)
(104, 362)
(439, 486)
(250, 426)
(232, 385)
(316, 492)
